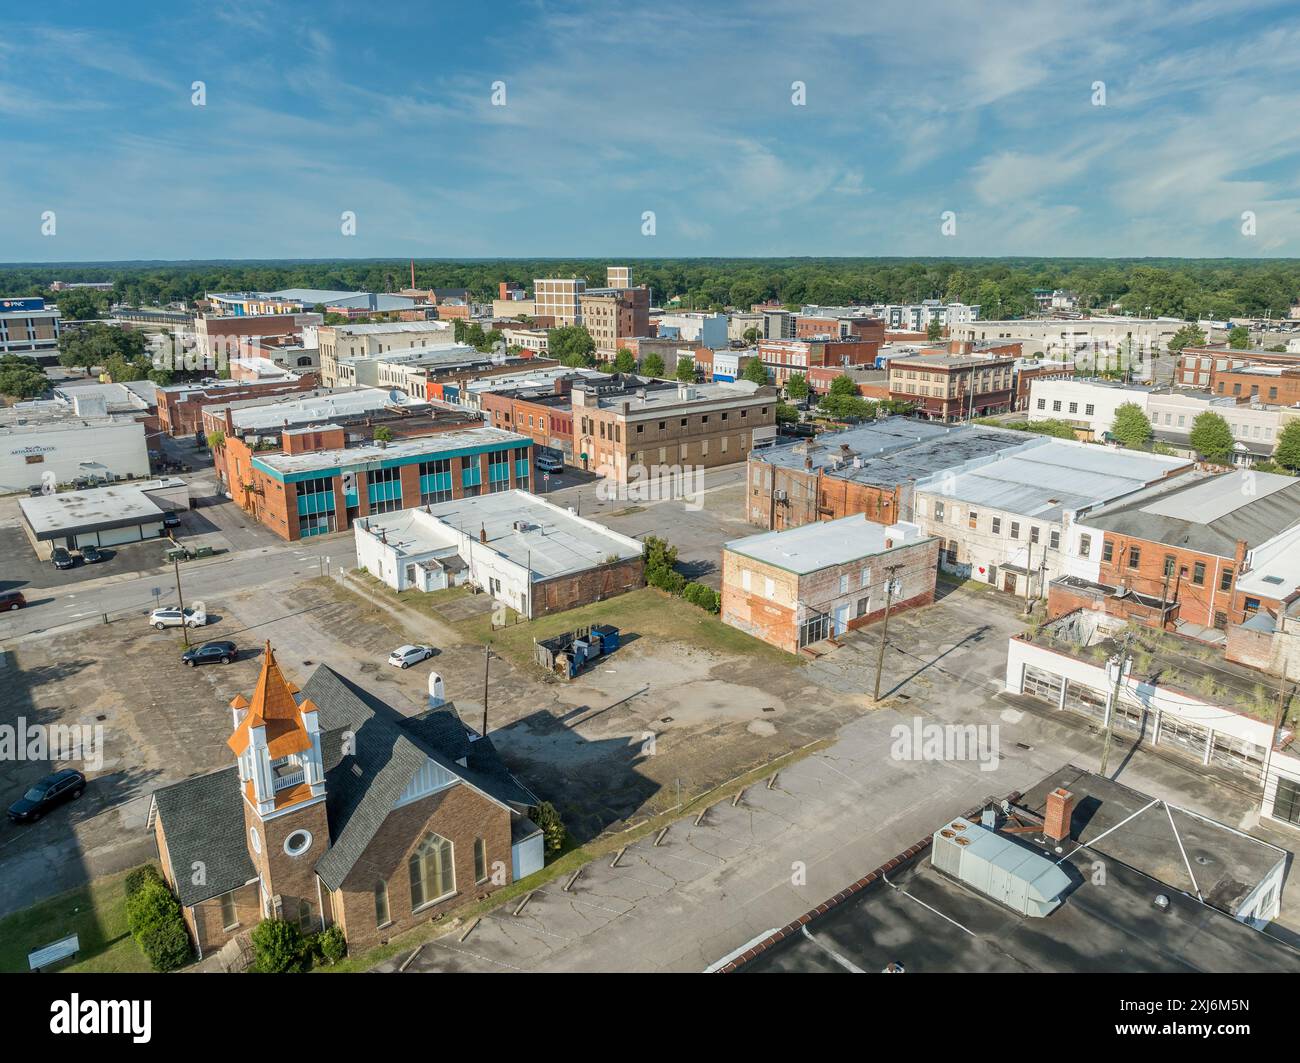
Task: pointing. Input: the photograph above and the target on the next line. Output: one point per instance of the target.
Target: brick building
(1277, 385)
(1182, 546)
(1200, 366)
(870, 469)
(317, 485)
(811, 326)
(627, 427)
(947, 387)
(314, 827)
(545, 414)
(181, 406)
(785, 357)
(531, 556)
(798, 587)
(610, 314)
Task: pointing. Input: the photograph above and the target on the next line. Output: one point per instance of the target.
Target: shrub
(154, 917)
(333, 946)
(139, 877)
(553, 829)
(705, 597)
(279, 947)
(666, 579)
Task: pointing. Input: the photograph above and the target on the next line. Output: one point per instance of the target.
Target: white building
(1086, 404)
(46, 442)
(1007, 517)
(530, 555)
(703, 330)
(102, 516)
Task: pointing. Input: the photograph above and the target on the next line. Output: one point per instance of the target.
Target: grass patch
(646, 613)
(96, 913)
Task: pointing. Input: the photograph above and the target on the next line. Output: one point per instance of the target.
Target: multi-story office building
(318, 485)
(29, 328)
(611, 314)
(953, 388)
(624, 434)
(557, 298)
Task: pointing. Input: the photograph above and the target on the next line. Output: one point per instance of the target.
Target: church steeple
(278, 742)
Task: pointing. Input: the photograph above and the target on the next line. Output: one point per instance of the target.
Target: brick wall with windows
(1202, 583)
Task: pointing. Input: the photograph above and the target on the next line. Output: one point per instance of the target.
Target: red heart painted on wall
(981, 570)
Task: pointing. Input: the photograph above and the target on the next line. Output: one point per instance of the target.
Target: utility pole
(487, 656)
(884, 631)
(176, 564)
(1277, 726)
(1122, 659)
(1029, 571)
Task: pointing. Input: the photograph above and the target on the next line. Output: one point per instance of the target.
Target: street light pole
(487, 656)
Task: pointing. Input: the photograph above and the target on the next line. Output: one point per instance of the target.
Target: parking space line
(477, 956)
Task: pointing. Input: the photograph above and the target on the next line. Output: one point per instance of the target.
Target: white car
(161, 618)
(405, 656)
(547, 463)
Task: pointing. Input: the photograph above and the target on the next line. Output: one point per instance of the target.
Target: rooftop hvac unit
(1002, 869)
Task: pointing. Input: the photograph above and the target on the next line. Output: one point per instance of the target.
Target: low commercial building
(1172, 556)
(1273, 384)
(218, 338)
(31, 329)
(1210, 713)
(695, 328)
(871, 469)
(377, 338)
(947, 387)
(317, 485)
(47, 442)
(1088, 406)
(1008, 520)
(101, 516)
(1202, 367)
(799, 587)
(532, 556)
(181, 406)
(784, 358)
(1066, 339)
(542, 412)
(624, 434)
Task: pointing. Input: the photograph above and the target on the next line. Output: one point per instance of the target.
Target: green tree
(1131, 426)
(1239, 338)
(755, 371)
(554, 832)
(625, 361)
(752, 335)
(572, 345)
(786, 414)
(383, 434)
(1187, 336)
(1211, 438)
(653, 365)
(216, 439)
(796, 386)
(153, 916)
(21, 378)
(686, 369)
(1287, 453)
(934, 331)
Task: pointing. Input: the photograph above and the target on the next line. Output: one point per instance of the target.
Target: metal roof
(822, 544)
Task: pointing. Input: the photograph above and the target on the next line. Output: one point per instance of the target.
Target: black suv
(210, 653)
(53, 790)
(62, 559)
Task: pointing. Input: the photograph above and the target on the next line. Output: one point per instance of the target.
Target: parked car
(210, 653)
(171, 520)
(52, 790)
(547, 463)
(91, 555)
(61, 558)
(12, 600)
(405, 656)
(172, 617)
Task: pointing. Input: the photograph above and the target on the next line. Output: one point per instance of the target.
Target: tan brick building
(799, 587)
(622, 434)
(317, 826)
(954, 387)
(610, 314)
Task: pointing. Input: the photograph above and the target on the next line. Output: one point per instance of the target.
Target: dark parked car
(91, 555)
(62, 559)
(210, 653)
(53, 790)
(12, 600)
(171, 520)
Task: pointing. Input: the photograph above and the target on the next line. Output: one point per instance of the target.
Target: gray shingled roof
(362, 787)
(203, 820)
(1256, 519)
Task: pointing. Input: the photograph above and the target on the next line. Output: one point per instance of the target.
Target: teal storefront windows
(435, 481)
(384, 490)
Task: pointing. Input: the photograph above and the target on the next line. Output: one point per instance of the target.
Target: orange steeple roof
(272, 706)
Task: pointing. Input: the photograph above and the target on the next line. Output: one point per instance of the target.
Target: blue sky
(683, 109)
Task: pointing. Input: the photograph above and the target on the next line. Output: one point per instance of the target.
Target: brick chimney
(1056, 820)
(482, 534)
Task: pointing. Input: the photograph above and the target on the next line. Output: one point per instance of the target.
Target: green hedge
(153, 915)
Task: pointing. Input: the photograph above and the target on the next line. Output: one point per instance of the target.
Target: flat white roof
(1274, 567)
(553, 543)
(295, 407)
(118, 504)
(812, 547)
(432, 445)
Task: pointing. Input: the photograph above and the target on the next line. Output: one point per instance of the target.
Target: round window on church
(253, 837)
(298, 842)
